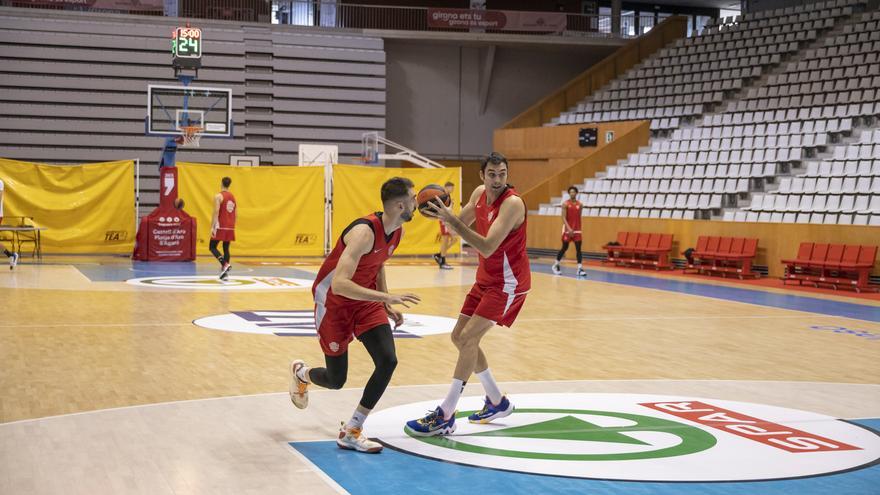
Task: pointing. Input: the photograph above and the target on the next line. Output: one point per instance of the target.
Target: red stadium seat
(837, 265)
(641, 249)
(724, 255)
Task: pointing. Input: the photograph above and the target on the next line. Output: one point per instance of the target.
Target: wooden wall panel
(547, 160)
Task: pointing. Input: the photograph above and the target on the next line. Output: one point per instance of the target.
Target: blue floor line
(750, 296)
(394, 472)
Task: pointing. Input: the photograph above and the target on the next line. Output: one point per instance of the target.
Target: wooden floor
(75, 337)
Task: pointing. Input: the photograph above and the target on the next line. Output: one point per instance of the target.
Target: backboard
(316, 155)
(169, 108)
(244, 160)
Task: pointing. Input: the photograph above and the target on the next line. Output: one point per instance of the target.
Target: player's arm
(511, 212)
(382, 286)
(469, 211)
(215, 217)
(358, 242)
(565, 219)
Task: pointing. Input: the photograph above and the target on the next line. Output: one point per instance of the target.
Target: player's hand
(395, 315)
(438, 210)
(403, 299)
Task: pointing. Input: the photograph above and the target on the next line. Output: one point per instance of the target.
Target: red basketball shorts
(225, 235)
(573, 237)
(338, 326)
(493, 304)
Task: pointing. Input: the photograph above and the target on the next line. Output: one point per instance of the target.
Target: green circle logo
(570, 428)
(638, 437)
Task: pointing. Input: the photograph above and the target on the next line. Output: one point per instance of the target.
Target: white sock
(303, 374)
(357, 420)
(455, 390)
(492, 390)
(556, 263)
(580, 267)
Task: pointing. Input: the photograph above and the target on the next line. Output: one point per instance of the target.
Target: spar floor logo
(640, 438)
(301, 323)
(211, 282)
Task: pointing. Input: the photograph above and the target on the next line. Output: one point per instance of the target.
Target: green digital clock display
(187, 43)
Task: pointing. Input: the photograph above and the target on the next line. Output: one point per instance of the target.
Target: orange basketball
(430, 192)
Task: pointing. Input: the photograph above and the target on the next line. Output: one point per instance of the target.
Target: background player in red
(352, 300)
(571, 230)
(223, 225)
(447, 237)
(503, 279)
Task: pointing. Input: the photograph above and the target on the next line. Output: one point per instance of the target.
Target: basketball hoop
(370, 149)
(191, 136)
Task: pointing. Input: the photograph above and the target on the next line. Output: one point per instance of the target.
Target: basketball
(430, 192)
(178, 203)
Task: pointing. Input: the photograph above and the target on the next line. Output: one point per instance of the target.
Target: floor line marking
(445, 384)
(314, 468)
(597, 318)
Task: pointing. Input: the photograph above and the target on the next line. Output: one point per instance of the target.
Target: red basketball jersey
(508, 267)
(573, 214)
(368, 267)
(226, 217)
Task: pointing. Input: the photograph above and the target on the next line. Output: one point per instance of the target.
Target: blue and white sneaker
(13, 260)
(491, 411)
(432, 424)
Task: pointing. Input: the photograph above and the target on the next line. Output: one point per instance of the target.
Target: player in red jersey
(503, 279)
(571, 230)
(352, 301)
(223, 225)
(447, 237)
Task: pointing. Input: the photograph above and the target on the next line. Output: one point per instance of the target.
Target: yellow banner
(280, 210)
(356, 192)
(86, 208)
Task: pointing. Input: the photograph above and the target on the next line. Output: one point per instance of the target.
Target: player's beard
(407, 215)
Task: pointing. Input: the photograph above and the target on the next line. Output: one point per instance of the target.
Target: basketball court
(136, 377)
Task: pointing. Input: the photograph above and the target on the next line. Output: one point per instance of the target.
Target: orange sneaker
(299, 390)
(354, 439)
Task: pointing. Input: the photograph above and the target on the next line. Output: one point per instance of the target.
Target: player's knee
(457, 340)
(335, 382)
(464, 339)
(387, 365)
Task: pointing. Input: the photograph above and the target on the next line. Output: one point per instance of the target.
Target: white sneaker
(299, 390)
(582, 272)
(354, 439)
(556, 269)
(224, 271)
(13, 260)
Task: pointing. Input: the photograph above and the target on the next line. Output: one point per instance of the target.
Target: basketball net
(192, 134)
